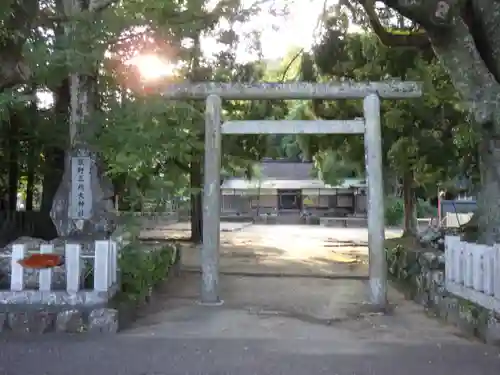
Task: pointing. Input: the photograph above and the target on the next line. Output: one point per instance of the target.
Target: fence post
(460, 261)
(478, 266)
(17, 271)
(45, 276)
(496, 273)
(73, 268)
(450, 247)
(489, 270)
(114, 262)
(101, 266)
(468, 265)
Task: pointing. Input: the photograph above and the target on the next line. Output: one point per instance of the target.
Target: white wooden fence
(473, 272)
(104, 267)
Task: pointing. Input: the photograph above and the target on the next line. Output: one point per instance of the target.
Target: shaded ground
(279, 307)
(292, 250)
(267, 326)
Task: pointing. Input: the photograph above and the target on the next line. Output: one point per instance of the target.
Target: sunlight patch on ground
(281, 249)
(287, 250)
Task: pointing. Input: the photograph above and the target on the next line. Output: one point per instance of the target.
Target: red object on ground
(42, 261)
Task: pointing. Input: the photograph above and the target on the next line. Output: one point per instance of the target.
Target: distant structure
(287, 188)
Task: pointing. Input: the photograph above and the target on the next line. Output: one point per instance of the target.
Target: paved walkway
(267, 326)
(167, 356)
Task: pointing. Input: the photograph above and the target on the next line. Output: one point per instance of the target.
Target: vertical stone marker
(80, 205)
(83, 203)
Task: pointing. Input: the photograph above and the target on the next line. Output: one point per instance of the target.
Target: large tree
(79, 52)
(419, 135)
(466, 39)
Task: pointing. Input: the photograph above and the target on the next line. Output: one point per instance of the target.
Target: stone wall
(102, 320)
(420, 274)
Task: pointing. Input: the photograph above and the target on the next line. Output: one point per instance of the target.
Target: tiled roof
(281, 174)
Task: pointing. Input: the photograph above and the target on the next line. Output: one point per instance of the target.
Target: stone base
(32, 311)
(99, 320)
(369, 308)
(10, 300)
(102, 318)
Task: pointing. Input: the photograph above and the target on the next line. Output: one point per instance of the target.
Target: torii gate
(370, 92)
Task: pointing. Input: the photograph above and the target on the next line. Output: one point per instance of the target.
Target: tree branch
(183, 167)
(455, 47)
(47, 17)
(391, 38)
(290, 63)
(430, 14)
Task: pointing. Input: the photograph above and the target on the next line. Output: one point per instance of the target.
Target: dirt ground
(287, 250)
(325, 300)
(299, 315)
(287, 308)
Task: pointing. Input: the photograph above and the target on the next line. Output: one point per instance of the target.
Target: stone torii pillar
(370, 92)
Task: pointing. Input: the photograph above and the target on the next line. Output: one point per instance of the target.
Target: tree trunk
(196, 182)
(30, 183)
(410, 224)
(53, 171)
(479, 89)
(54, 152)
(488, 201)
(83, 204)
(196, 166)
(32, 161)
(258, 200)
(13, 152)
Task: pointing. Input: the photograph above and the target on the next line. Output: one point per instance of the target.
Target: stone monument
(83, 206)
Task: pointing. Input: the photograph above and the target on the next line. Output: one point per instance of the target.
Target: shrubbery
(142, 269)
